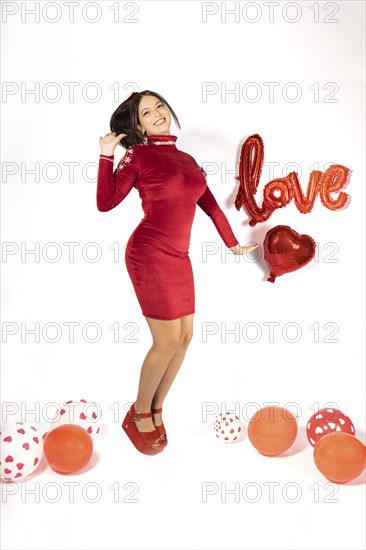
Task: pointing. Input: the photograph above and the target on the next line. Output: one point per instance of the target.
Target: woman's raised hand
(241, 250)
(109, 142)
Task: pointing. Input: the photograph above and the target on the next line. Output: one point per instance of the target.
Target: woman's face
(154, 116)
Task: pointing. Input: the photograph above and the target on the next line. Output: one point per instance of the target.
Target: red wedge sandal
(161, 429)
(149, 443)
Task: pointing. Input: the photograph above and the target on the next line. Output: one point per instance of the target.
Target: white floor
(200, 492)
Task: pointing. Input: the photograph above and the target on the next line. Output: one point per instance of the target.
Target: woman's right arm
(114, 186)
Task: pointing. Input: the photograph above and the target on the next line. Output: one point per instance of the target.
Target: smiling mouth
(159, 122)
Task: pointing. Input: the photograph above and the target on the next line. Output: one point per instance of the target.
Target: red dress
(170, 184)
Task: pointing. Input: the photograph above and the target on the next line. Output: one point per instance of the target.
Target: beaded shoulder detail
(128, 157)
(125, 160)
(202, 170)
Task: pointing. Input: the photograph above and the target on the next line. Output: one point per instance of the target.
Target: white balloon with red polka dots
(228, 427)
(87, 414)
(21, 450)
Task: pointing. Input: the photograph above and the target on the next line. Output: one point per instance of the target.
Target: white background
(170, 50)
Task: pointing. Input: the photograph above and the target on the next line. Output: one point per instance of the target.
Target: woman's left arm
(209, 205)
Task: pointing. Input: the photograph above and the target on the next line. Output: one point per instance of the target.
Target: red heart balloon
(286, 250)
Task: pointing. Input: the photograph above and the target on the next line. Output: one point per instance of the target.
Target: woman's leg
(172, 369)
(166, 340)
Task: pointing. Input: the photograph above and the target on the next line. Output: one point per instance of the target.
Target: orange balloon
(272, 430)
(340, 456)
(68, 448)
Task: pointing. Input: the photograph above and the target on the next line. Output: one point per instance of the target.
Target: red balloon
(286, 250)
(327, 421)
(68, 448)
(280, 191)
(272, 430)
(340, 457)
(334, 180)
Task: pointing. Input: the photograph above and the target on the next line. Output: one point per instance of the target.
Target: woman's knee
(169, 336)
(185, 338)
(165, 334)
(166, 347)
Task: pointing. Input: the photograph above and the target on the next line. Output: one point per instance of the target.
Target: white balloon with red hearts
(227, 427)
(86, 414)
(21, 450)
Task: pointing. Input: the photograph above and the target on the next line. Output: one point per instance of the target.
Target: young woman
(170, 184)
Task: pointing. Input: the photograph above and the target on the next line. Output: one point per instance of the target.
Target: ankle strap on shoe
(157, 411)
(136, 415)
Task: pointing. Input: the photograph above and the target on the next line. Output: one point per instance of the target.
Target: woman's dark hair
(125, 118)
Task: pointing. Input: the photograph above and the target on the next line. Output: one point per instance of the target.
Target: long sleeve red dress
(170, 184)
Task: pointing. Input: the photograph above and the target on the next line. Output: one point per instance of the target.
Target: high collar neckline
(162, 139)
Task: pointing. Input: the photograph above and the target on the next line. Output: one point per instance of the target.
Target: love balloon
(280, 191)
